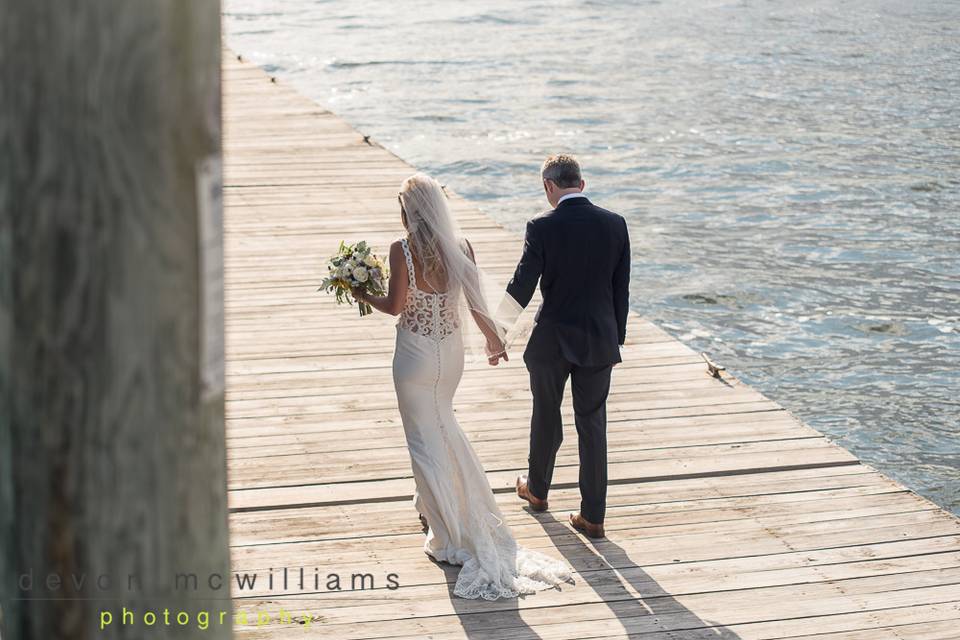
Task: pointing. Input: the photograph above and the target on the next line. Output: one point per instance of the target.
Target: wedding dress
(465, 526)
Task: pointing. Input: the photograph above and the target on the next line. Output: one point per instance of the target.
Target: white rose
(360, 274)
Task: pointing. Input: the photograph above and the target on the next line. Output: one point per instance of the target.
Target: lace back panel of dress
(433, 315)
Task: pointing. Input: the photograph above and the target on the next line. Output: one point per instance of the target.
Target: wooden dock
(727, 517)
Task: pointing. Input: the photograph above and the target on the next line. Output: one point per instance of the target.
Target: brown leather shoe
(524, 492)
(586, 527)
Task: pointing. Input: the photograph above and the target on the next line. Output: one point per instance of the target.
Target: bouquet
(355, 266)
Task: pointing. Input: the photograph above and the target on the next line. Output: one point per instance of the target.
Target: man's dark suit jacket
(580, 253)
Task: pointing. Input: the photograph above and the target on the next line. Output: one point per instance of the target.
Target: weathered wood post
(112, 463)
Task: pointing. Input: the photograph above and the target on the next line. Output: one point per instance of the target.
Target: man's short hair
(562, 170)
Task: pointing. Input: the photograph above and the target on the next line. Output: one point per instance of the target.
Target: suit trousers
(590, 386)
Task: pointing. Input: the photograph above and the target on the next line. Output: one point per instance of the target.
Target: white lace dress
(465, 525)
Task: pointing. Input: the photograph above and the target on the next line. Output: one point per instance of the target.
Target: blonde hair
(424, 205)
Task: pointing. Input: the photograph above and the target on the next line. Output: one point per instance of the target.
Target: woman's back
(426, 280)
(430, 309)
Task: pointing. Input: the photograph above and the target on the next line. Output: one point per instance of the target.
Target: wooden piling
(112, 459)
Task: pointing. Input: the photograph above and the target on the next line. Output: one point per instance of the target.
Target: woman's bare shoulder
(396, 249)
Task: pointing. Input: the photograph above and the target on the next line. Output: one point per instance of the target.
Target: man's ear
(582, 185)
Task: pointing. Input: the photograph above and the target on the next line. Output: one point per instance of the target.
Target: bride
(435, 287)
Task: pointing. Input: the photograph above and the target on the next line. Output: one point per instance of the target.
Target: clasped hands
(496, 351)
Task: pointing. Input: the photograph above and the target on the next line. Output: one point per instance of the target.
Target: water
(789, 171)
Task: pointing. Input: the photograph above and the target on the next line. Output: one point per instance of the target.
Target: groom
(580, 254)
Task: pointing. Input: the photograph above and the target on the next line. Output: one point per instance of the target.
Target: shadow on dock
(503, 620)
(606, 568)
(508, 622)
(655, 614)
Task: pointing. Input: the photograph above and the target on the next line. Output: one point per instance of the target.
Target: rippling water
(789, 171)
